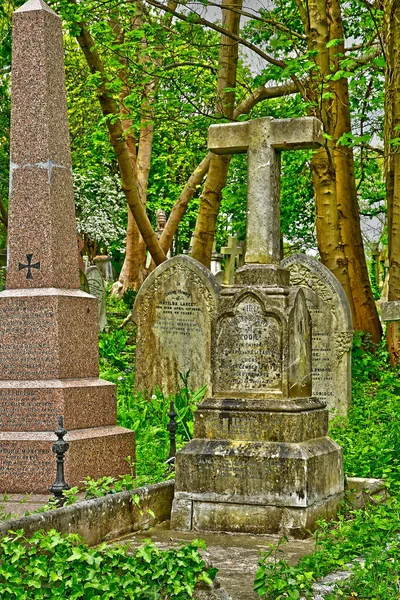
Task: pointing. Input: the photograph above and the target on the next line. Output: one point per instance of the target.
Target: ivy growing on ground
(54, 565)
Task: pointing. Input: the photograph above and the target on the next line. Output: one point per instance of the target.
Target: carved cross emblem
(29, 266)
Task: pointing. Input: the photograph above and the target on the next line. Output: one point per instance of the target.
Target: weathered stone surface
(114, 515)
(231, 252)
(252, 353)
(263, 139)
(104, 264)
(262, 461)
(390, 311)
(173, 311)
(252, 518)
(332, 331)
(266, 420)
(48, 327)
(210, 592)
(97, 288)
(262, 473)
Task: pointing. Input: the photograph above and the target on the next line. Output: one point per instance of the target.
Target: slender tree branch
(189, 64)
(110, 109)
(196, 20)
(257, 17)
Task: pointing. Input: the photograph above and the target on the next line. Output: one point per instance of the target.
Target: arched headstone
(173, 312)
(332, 331)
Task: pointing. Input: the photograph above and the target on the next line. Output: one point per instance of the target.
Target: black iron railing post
(60, 447)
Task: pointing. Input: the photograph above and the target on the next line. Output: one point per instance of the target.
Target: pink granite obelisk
(48, 327)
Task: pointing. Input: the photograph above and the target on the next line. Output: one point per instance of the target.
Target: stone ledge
(362, 490)
(105, 518)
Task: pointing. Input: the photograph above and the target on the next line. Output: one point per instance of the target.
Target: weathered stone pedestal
(48, 327)
(260, 460)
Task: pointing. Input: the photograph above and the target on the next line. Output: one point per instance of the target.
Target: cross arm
(229, 138)
(296, 134)
(280, 134)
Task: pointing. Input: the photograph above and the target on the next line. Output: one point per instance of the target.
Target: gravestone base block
(27, 460)
(257, 487)
(41, 333)
(251, 518)
(265, 420)
(32, 405)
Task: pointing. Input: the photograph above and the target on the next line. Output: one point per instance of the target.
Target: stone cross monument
(48, 327)
(231, 251)
(261, 460)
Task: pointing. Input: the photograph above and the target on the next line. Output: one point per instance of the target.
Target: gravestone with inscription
(45, 369)
(173, 311)
(261, 459)
(332, 331)
(97, 288)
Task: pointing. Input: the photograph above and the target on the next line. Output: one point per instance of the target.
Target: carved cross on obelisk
(263, 140)
(29, 266)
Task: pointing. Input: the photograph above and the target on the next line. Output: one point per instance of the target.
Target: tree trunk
(392, 162)
(128, 177)
(366, 317)
(338, 222)
(210, 199)
(3, 214)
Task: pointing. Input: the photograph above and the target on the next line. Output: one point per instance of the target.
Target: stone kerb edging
(105, 518)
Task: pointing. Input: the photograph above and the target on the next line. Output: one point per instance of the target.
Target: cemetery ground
(62, 566)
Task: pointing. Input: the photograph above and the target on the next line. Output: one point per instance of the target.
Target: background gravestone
(173, 311)
(104, 264)
(97, 288)
(332, 331)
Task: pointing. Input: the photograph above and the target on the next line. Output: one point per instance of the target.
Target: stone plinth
(86, 402)
(48, 334)
(390, 311)
(261, 460)
(27, 461)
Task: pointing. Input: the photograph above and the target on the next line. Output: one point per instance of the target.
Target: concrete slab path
(235, 555)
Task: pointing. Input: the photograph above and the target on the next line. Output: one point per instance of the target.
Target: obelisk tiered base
(27, 462)
(48, 344)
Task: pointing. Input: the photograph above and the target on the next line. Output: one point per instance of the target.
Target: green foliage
(100, 209)
(376, 577)
(372, 276)
(146, 415)
(371, 435)
(370, 438)
(276, 579)
(52, 565)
